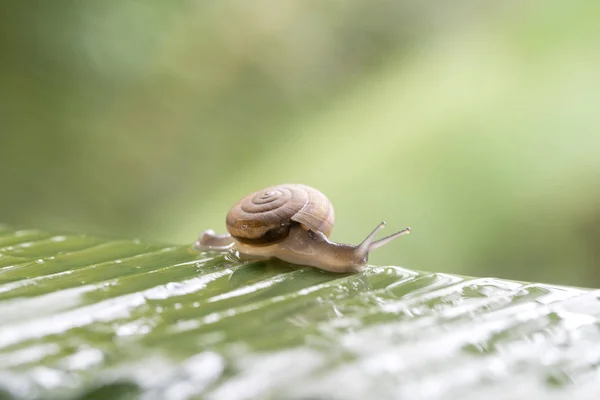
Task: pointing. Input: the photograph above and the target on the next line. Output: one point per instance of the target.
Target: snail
(291, 222)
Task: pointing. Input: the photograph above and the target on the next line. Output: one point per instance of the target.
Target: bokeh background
(476, 123)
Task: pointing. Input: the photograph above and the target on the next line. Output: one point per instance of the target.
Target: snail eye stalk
(370, 244)
(378, 243)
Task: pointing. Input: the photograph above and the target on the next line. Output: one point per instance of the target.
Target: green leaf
(87, 317)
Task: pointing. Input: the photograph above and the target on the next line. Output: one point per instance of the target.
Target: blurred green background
(476, 123)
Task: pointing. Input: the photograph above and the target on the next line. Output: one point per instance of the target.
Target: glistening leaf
(86, 317)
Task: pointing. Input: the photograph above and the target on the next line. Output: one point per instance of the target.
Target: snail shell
(266, 216)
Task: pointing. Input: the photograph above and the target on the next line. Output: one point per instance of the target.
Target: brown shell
(265, 216)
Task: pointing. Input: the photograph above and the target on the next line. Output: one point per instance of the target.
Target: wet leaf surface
(89, 318)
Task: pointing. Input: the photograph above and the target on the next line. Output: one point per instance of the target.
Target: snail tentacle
(378, 243)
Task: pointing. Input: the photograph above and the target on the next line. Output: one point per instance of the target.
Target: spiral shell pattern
(265, 216)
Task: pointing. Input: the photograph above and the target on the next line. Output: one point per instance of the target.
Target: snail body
(293, 223)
